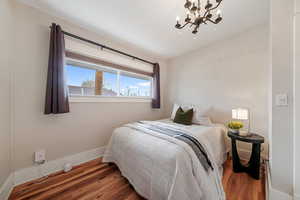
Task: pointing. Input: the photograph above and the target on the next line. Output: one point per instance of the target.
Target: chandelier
(197, 15)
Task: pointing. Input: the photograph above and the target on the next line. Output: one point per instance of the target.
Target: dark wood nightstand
(253, 166)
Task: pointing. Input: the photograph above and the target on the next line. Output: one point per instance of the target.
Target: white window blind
(82, 48)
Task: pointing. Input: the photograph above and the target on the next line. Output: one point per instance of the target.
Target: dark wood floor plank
(95, 180)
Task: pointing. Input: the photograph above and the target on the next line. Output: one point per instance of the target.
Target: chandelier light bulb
(187, 4)
(177, 19)
(219, 18)
(208, 5)
(194, 8)
(209, 15)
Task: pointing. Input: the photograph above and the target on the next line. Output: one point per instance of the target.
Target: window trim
(118, 98)
(103, 99)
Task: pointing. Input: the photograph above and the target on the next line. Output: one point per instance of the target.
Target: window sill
(95, 99)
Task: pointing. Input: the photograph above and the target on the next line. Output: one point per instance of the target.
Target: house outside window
(90, 80)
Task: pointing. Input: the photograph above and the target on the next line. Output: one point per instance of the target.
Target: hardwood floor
(97, 180)
(240, 186)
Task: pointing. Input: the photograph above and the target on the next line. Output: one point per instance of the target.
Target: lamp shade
(240, 113)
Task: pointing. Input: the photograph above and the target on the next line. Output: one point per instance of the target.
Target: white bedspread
(162, 169)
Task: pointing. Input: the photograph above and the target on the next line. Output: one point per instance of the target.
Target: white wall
(89, 125)
(228, 74)
(6, 43)
(282, 82)
(297, 100)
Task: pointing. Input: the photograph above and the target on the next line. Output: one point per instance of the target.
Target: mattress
(160, 169)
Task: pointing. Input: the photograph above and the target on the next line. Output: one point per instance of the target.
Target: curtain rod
(105, 47)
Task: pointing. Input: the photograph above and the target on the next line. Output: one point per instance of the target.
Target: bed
(161, 167)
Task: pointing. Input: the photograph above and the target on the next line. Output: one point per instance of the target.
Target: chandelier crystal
(198, 14)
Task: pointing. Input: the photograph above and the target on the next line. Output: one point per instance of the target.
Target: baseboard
(278, 195)
(267, 180)
(272, 193)
(34, 172)
(7, 187)
(296, 197)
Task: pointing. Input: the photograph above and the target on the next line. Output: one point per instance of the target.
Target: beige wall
(282, 82)
(231, 73)
(89, 125)
(228, 74)
(6, 43)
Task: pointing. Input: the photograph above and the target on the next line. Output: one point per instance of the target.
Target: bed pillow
(201, 116)
(175, 108)
(184, 117)
(206, 121)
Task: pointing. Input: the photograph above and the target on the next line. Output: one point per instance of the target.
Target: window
(131, 85)
(93, 80)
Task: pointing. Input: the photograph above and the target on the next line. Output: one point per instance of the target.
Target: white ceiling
(149, 24)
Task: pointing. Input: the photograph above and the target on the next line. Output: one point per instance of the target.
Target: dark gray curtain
(156, 87)
(56, 92)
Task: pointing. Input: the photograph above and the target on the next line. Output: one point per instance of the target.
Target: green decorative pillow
(184, 117)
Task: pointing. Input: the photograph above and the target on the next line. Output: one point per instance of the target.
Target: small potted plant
(235, 126)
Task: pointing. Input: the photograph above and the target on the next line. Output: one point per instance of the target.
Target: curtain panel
(156, 87)
(56, 91)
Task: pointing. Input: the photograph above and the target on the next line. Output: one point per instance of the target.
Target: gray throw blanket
(184, 137)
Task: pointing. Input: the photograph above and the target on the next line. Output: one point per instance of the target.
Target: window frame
(100, 98)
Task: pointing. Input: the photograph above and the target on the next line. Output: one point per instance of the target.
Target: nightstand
(253, 166)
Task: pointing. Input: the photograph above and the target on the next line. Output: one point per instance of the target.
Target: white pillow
(175, 108)
(203, 121)
(201, 116)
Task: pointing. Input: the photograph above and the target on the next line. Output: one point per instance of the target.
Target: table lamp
(242, 114)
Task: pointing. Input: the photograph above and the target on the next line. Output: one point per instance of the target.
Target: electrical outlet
(40, 156)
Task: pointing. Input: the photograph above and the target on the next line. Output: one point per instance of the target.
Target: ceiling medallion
(197, 15)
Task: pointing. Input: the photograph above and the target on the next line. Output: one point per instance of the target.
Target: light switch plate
(281, 100)
(40, 156)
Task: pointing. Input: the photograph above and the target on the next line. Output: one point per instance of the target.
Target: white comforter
(162, 169)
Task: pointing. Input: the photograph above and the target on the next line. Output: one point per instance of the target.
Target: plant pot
(236, 131)
(244, 133)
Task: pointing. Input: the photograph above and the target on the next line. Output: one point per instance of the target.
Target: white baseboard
(38, 171)
(278, 195)
(296, 197)
(7, 187)
(272, 193)
(267, 180)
